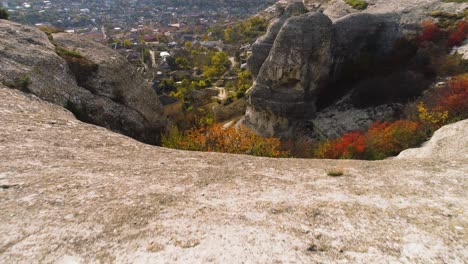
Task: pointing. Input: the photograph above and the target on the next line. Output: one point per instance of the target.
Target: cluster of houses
(147, 32)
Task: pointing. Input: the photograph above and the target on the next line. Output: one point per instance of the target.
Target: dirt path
(76, 193)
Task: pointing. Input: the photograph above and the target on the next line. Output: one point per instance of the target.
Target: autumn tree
(216, 138)
(385, 139)
(126, 43)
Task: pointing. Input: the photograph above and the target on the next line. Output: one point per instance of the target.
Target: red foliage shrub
(351, 145)
(430, 32)
(454, 98)
(457, 37)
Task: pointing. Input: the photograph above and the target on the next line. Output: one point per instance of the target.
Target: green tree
(244, 82)
(182, 63)
(218, 66)
(184, 90)
(167, 85)
(126, 43)
(246, 31)
(4, 14)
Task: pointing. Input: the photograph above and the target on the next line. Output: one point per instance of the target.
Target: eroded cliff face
(322, 74)
(95, 83)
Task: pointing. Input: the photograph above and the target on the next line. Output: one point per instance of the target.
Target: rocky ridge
(91, 80)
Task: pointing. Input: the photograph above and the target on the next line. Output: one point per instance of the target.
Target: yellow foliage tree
(435, 117)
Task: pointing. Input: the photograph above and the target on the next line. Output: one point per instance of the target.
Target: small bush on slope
(23, 83)
(357, 4)
(430, 32)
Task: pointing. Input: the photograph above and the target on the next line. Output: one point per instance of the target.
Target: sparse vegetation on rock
(357, 4)
(23, 83)
(335, 172)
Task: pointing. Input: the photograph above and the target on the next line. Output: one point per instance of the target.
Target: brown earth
(71, 192)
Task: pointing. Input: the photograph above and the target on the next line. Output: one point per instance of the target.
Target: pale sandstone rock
(74, 192)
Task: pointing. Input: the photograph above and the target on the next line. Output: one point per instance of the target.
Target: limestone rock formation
(27, 54)
(308, 54)
(314, 72)
(72, 192)
(297, 65)
(129, 97)
(412, 12)
(261, 48)
(104, 90)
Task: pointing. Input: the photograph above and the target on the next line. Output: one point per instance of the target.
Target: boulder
(362, 34)
(28, 61)
(91, 80)
(132, 107)
(448, 143)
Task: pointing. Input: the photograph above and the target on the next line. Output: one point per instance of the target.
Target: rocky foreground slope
(71, 192)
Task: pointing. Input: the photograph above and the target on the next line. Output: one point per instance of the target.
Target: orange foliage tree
(385, 139)
(216, 138)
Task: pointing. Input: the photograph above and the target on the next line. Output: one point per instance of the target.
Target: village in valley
(192, 52)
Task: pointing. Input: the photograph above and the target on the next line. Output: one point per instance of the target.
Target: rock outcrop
(308, 56)
(94, 82)
(448, 143)
(72, 192)
(261, 48)
(411, 12)
(27, 56)
(311, 70)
